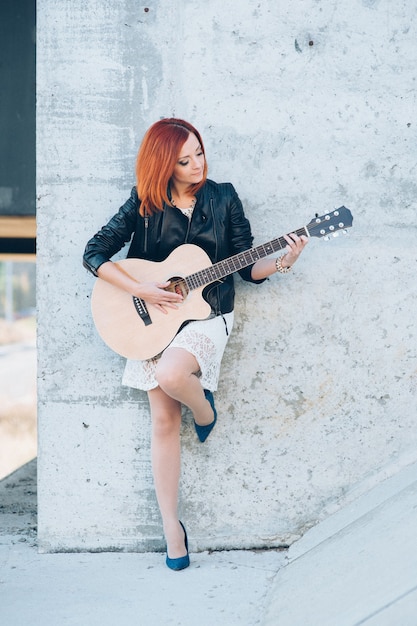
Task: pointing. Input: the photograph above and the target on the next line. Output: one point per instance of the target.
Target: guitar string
(232, 264)
(231, 261)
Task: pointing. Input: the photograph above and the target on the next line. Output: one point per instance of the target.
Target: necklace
(187, 211)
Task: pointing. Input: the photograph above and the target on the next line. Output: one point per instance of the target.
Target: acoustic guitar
(137, 331)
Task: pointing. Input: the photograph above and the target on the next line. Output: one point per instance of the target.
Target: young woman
(174, 203)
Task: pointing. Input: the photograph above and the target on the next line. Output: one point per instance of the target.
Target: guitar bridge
(142, 310)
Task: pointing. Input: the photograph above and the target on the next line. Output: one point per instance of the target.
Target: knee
(169, 378)
(165, 424)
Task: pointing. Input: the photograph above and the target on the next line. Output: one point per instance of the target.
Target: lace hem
(205, 339)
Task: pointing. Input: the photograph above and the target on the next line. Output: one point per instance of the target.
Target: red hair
(157, 157)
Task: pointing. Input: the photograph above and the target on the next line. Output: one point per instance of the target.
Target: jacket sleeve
(241, 238)
(113, 236)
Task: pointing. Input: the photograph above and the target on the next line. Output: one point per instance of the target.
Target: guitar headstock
(330, 223)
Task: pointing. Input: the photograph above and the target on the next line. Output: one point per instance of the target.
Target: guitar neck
(238, 262)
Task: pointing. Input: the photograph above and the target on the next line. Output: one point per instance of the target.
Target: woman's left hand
(294, 248)
(265, 267)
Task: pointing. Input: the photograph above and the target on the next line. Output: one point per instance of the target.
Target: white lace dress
(205, 339)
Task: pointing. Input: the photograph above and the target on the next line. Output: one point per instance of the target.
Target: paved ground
(113, 589)
(358, 567)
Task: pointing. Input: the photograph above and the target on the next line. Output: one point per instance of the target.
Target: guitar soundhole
(178, 285)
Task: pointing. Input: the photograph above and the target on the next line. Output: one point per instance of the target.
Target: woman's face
(189, 168)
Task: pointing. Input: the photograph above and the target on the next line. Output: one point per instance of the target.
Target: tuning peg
(335, 234)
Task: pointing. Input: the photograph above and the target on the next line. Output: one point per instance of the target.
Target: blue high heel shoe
(204, 431)
(183, 561)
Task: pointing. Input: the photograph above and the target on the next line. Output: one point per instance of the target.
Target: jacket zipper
(188, 230)
(145, 246)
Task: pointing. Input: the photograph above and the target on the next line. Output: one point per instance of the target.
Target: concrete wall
(304, 106)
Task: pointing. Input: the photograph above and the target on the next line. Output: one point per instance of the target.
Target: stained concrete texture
(358, 567)
(304, 107)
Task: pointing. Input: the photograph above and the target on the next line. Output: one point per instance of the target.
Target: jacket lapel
(202, 215)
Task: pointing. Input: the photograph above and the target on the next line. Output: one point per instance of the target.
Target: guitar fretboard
(237, 262)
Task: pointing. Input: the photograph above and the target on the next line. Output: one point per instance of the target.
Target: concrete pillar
(304, 107)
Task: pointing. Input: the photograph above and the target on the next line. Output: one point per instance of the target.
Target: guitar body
(117, 320)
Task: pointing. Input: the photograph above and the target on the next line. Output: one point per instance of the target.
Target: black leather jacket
(218, 225)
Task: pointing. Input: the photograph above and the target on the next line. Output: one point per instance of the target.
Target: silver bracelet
(280, 268)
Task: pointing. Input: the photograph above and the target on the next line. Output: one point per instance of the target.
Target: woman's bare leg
(166, 461)
(178, 385)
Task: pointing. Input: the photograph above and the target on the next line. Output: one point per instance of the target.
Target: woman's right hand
(157, 295)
